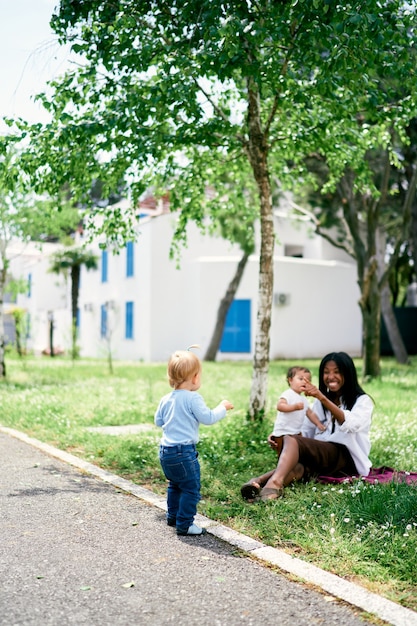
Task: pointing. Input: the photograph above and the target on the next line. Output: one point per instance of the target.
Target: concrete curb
(349, 592)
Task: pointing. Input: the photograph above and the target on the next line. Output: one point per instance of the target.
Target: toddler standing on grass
(180, 414)
(292, 407)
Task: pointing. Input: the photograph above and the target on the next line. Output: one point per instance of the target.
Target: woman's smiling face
(332, 377)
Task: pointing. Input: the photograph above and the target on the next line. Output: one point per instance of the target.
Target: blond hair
(182, 366)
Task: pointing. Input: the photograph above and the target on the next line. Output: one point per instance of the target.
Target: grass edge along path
(363, 533)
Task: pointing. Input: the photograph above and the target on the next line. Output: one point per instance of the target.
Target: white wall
(49, 292)
(166, 297)
(178, 307)
(321, 314)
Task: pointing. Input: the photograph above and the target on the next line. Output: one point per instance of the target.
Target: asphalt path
(77, 550)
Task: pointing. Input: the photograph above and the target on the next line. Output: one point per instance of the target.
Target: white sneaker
(192, 531)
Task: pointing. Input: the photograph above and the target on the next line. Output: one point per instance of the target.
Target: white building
(140, 306)
(47, 297)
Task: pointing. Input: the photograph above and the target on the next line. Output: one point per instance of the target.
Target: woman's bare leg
(287, 471)
(263, 479)
(294, 475)
(288, 468)
(250, 490)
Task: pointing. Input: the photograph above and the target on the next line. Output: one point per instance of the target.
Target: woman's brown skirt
(324, 458)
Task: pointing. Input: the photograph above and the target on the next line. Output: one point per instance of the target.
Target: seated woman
(341, 450)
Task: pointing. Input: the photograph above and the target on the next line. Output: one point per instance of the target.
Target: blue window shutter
(129, 320)
(237, 330)
(103, 321)
(129, 258)
(29, 285)
(104, 266)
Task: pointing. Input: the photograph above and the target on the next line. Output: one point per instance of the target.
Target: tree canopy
(258, 83)
(24, 216)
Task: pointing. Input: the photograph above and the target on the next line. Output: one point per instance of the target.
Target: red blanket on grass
(376, 475)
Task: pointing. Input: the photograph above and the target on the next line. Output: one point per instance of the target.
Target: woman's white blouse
(353, 433)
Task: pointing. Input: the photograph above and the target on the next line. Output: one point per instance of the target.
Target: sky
(29, 56)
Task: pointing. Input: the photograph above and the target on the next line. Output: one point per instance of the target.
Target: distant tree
(410, 149)
(23, 217)
(112, 314)
(19, 316)
(69, 262)
(371, 225)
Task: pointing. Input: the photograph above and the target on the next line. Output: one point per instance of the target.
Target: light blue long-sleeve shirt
(180, 414)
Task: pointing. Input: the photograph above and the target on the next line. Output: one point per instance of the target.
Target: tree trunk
(224, 306)
(18, 339)
(265, 290)
(363, 238)
(3, 275)
(257, 149)
(387, 311)
(393, 332)
(75, 291)
(370, 304)
(51, 334)
(413, 233)
(365, 243)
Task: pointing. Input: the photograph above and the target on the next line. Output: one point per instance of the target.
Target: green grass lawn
(365, 533)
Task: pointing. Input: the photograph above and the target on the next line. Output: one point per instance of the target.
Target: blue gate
(237, 330)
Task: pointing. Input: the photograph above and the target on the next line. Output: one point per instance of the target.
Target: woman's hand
(311, 390)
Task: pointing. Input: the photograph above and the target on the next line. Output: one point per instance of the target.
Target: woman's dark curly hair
(351, 389)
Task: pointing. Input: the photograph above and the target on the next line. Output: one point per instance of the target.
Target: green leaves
(160, 63)
(167, 93)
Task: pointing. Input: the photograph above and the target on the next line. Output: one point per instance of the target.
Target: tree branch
(219, 111)
(337, 244)
(402, 235)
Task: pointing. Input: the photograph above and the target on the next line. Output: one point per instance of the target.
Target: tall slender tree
(69, 262)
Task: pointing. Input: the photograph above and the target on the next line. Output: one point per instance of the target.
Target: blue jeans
(182, 469)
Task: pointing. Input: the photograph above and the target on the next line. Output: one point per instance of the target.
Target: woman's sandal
(271, 493)
(250, 491)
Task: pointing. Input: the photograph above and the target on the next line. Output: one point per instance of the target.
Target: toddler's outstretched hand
(228, 405)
